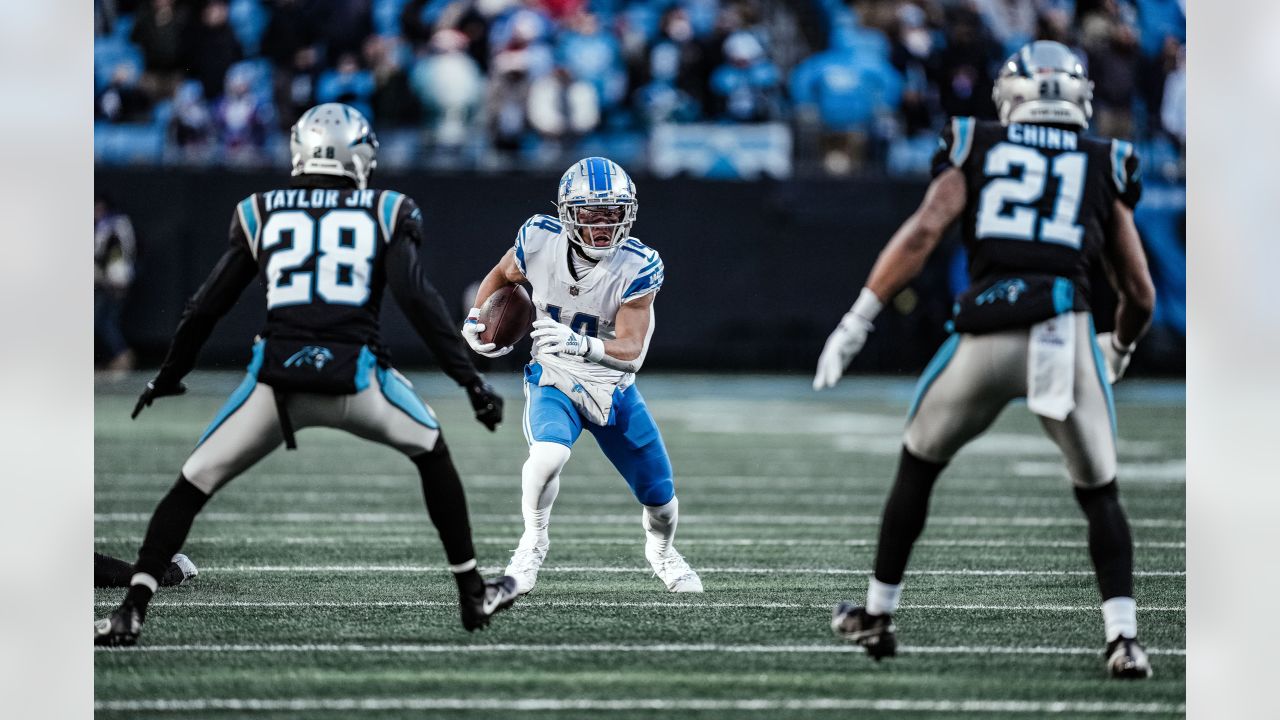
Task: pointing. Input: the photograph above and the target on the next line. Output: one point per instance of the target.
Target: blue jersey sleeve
(649, 275)
(533, 236)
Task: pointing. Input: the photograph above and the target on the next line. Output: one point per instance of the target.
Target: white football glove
(471, 330)
(846, 340)
(552, 337)
(1116, 356)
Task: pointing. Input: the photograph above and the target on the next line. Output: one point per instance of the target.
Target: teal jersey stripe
(1064, 295)
(933, 370)
(388, 205)
(962, 128)
(249, 217)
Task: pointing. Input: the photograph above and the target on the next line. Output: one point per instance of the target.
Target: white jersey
(588, 305)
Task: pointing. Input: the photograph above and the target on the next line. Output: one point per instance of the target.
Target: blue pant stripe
(401, 394)
(1099, 364)
(933, 370)
(239, 396)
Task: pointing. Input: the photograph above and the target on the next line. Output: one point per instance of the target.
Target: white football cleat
(524, 565)
(672, 569)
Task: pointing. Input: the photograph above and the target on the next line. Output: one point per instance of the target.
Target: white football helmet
(1044, 82)
(334, 139)
(601, 185)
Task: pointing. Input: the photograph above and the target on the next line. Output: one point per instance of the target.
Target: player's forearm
(215, 297)
(902, 259)
(1133, 317)
(502, 274)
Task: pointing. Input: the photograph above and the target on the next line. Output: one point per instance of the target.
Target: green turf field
(322, 589)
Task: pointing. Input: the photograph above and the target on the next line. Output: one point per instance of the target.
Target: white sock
(1120, 615)
(660, 523)
(540, 483)
(144, 579)
(882, 598)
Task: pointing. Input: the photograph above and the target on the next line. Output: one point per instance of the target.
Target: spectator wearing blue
(847, 87)
(748, 84)
(347, 83)
(591, 55)
(1012, 22)
(448, 83)
(242, 118)
(190, 131)
(528, 32)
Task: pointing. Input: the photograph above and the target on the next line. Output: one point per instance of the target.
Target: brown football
(507, 316)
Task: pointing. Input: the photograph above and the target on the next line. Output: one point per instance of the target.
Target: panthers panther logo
(313, 355)
(1007, 290)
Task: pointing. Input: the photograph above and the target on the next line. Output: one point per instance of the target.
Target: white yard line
(428, 648)
(368, 704)
(1156, 472)
(342, 569)
(526, 604)
(832, 520)
(633, 541)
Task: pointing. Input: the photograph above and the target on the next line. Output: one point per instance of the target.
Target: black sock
(904, 515)
(469, 582)
(1110, 543)
(167, 531)
(446, 503)
(110, 572)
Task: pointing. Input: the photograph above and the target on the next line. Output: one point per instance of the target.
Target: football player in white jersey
(593, 286)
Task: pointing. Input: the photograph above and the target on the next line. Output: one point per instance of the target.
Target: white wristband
(1122, 349)
(867, 306)
(595, 348)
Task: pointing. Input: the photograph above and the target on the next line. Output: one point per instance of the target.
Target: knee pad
(546, 459)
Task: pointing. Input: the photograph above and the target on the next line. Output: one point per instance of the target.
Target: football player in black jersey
(325, 248)
(1040, 204)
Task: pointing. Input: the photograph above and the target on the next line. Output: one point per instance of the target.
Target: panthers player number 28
(1020, 221)
(346, 241)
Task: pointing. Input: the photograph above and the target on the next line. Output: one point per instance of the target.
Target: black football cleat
(1127, 659)
(876, 633)
(498, 595)
(121, 629)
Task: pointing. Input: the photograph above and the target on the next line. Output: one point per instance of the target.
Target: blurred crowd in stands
(491, 84)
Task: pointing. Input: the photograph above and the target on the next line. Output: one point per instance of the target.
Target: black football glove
(156, 390)
(486, 402)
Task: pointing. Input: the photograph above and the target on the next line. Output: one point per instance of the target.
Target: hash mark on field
(689, 704)
(436, 648)
(731, 542)
(832, 520)
(637, 569)
(599, 604)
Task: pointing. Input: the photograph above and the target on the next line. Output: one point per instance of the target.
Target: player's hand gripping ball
(504, 318)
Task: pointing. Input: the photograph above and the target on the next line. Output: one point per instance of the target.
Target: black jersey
(1040, 198)
(326, 251)
(322, 254)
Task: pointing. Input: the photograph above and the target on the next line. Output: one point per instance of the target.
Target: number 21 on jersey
(344, 242)
(1020, 221)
